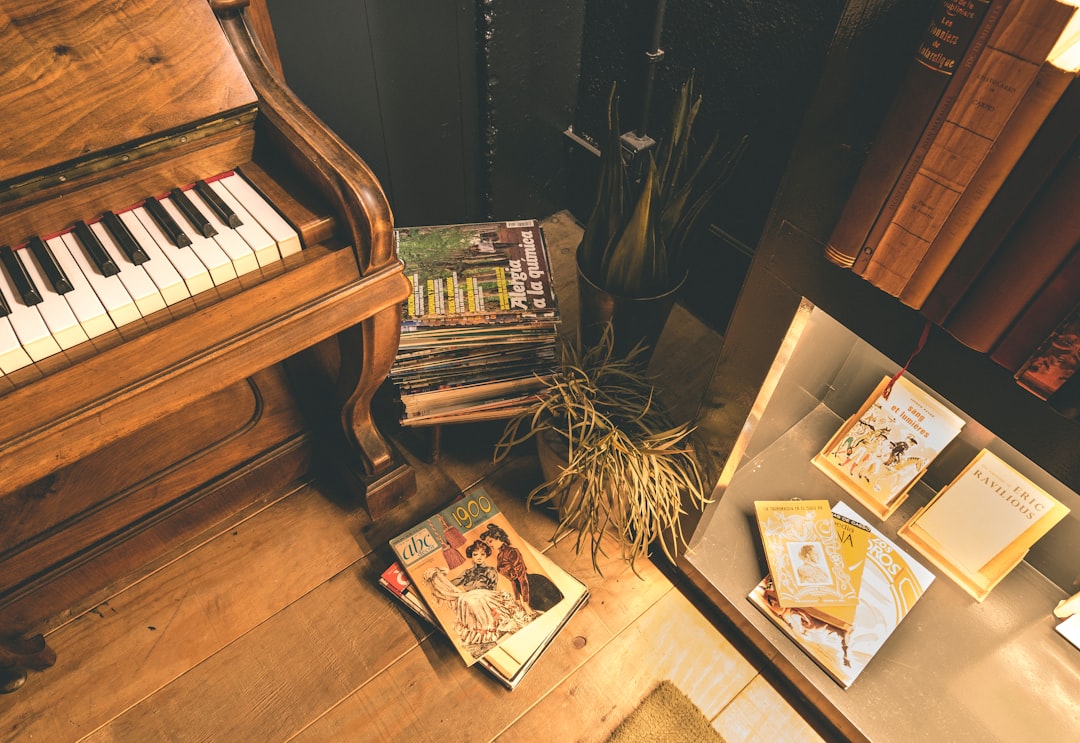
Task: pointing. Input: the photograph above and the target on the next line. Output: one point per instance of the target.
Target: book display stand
(981, 526)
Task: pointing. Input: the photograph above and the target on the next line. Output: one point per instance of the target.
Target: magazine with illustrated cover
(476, 574)
(892, 582)
(476, 273)
(507, 663)
(881, 451)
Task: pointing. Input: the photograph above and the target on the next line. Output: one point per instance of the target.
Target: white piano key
(208, 251)
(240, 253)
(33, 333)
(186, 263)
(261, 241)
(82, 299)
(109, 289)
(140, 287)
(287, 239)
(159, 268)
(12, 355)
(54, 309)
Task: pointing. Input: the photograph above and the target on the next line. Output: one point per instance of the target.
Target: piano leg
(18, 654)
(366, 359)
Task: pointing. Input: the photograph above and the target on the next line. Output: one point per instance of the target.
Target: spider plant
(627, 467)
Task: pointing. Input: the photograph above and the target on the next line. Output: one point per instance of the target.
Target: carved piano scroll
(346, 181)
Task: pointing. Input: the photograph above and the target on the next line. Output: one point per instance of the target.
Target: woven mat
(667, 715)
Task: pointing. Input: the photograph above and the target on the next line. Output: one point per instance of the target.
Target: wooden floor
(273, 628)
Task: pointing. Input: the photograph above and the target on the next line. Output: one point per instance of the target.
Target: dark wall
(462, 107)
(457, 105)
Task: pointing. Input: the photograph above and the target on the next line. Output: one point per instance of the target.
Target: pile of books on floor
(478, 332)
(964, 208)
(470, 574)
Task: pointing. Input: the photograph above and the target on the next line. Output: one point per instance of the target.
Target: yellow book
(854, 539)
(804, 554)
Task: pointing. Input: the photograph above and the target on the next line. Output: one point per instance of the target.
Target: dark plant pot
(633, 319)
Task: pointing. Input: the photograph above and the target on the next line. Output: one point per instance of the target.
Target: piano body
(120, 444)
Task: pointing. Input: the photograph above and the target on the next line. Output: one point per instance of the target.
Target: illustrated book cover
(479, 273)
(892, 582)
(884, 448)
(476, 575)
(1055, 360)
(854, 539)
(980, 526)
(509, 662)
(804, 554)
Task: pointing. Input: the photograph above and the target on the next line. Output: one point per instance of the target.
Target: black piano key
(124, 239)
(19, 277)
(223, 211)
(95, 249)
(54, 272)
(5, 308)
(192, 214)
(168, 225)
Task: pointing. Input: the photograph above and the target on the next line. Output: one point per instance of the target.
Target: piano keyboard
(102, 274)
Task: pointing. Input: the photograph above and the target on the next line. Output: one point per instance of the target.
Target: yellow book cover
(892, 582)
(854, 539)
(884, 448)
(804, 554)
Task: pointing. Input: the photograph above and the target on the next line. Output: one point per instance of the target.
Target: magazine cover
(892, 581)
(804, 554)
(882, 450)
(464, 273)
(477, 576)
(509, 662)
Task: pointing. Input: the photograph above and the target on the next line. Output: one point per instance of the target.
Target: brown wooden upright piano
(128, 426)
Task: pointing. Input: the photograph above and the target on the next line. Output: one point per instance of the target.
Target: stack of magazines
(499, 601)
(478, 332)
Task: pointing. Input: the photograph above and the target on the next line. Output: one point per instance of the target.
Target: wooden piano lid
(82, 77)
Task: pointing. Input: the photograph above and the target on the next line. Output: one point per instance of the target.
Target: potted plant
(613, 460)
(633, 254)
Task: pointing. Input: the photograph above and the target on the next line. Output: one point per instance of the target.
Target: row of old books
(838, 587)
(966, 206)
(469, 573)
(478, 332)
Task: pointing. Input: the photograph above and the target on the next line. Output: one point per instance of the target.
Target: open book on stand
(891, 582)
(498, 600)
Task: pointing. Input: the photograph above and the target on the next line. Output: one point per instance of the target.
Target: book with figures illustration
(480, 580)
(885, 447)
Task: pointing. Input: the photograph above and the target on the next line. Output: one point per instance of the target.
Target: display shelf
(947, 670)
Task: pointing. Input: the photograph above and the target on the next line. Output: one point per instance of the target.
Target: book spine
(953, 28)
(1049, 85)
(1001, 76)
(1031, 254)
(1039, 320)
(1055, 361)
(1036, 166)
